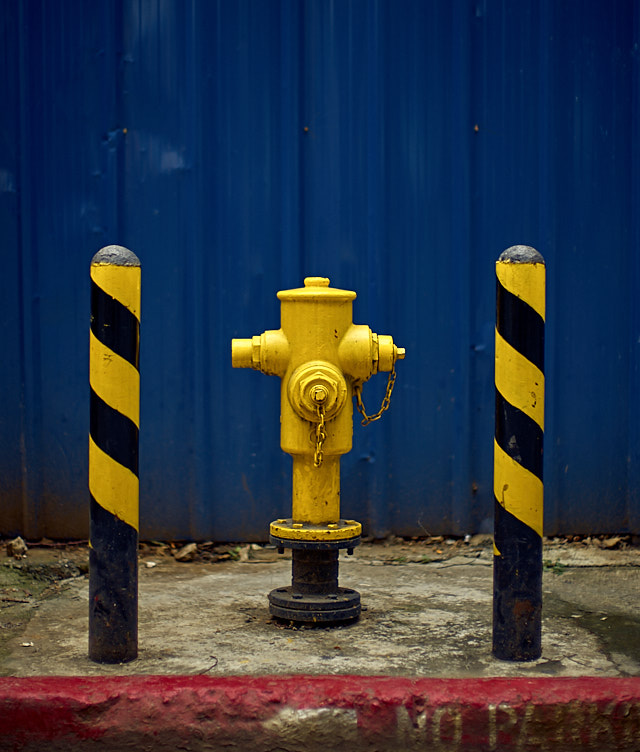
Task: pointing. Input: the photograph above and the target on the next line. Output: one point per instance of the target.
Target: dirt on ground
(33, 571)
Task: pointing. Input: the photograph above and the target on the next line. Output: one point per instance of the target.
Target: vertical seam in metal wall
(120, 122)
(378, 512)
(20, 281)
(373, 128)
(633, 480)
(460, 240)
(201, 278)
(292, 139)
(302, 151)
(194, 308)
(546, 223)
(30, 373)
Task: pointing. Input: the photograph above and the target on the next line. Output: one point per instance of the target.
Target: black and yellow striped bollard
(113, 455)
(517, 479)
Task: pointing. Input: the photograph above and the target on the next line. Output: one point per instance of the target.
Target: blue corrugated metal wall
(395, 146)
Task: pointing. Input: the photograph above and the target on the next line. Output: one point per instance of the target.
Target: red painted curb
(319, 713)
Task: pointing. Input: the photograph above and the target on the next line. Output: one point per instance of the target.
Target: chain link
(321, 435)
(357, 389)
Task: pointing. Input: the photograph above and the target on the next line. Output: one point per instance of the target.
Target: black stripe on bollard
(114, 324)
(520, 325)
(114, 433)
(518, 446)
(512, 424)
(113, 455)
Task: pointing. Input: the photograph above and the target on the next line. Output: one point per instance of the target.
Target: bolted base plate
(343, 605)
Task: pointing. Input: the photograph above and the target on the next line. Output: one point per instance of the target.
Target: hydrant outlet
(317, 385)
(241, 353)
(267, 352)
(388, 353)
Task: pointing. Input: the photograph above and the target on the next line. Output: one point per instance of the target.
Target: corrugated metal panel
(396, 147)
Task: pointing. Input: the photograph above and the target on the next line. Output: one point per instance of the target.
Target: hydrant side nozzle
(242, 353)
(388, 353)
(267, 352)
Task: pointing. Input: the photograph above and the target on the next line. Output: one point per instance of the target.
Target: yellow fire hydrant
(323, 359)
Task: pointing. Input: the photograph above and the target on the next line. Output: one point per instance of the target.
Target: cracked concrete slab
(423, 615)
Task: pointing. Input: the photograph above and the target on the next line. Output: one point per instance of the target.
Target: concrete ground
(427, 609)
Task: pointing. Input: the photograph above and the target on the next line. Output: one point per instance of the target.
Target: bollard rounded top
(116, 255)
(521, 254)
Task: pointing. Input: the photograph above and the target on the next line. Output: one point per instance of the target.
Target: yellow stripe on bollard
(526, 281)
(519, 381)
(114, 380)
(115, 486)
(517, 490)
(119, 282)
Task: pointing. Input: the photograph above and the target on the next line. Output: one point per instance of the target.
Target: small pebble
(17, 548)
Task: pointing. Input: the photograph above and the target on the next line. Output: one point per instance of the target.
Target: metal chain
(357, 390)
(321, 435)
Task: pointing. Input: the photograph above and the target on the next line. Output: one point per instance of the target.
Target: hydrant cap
(316, 289)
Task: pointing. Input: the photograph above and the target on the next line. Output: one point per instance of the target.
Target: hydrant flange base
(302, 531)
(340, 606)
